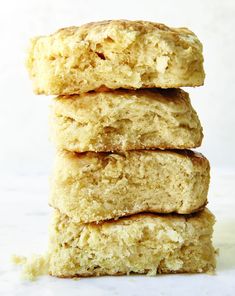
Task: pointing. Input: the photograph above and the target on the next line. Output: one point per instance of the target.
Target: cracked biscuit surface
(115, 54)
(143, 243)
(125, 120)
(98, 186)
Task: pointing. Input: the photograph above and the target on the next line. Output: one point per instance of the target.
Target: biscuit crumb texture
(115, 54)
(142, 244)
(98, 186)
(33, 266)
(125, 120)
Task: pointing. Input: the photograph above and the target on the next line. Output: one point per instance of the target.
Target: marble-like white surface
(24, 217)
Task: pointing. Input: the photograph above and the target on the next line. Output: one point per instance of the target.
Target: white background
(24, 116)
(26, 155)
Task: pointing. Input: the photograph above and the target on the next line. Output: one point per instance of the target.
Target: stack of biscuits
(128, 195)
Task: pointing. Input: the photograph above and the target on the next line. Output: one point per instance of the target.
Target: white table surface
(24, 217)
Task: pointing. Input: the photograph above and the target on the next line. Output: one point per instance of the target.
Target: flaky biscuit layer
(115, 54)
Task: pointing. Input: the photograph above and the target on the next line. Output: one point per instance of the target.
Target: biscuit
(98, 186)
(142, 244)
(125, 120)
(115, 54)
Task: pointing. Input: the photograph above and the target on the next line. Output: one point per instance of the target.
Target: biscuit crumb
(33, 266)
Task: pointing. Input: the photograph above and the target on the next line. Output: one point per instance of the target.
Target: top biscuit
(115, 54)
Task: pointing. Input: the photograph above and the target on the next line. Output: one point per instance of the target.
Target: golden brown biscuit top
(142, 26)
(100, 29)
(148, 217)
(195, 157)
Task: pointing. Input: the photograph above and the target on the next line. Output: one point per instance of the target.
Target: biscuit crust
(144, 244)
(115, 54)
(91, 187)
(125, 120)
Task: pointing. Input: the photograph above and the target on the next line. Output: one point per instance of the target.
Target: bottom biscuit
(143, 244)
